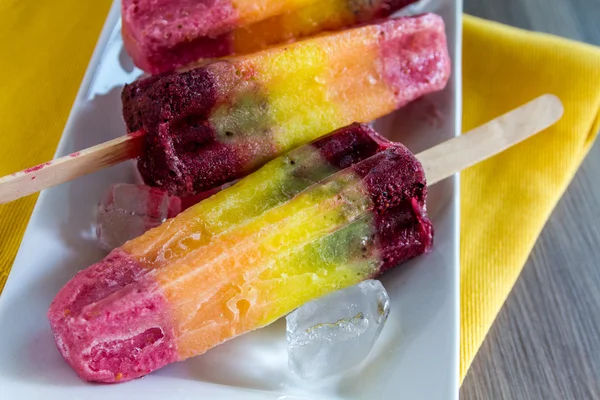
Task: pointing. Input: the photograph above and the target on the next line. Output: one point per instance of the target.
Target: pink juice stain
(136, 134)
(37, 167)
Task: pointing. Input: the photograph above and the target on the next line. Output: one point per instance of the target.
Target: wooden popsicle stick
(64, 169)
(485, 141)
(439, 162)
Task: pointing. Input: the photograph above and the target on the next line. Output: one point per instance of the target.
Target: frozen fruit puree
(219, 121)
(320, 218)
(162, 35)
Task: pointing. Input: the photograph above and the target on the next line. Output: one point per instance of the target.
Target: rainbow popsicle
(133, 312)
(151, 27)
(272, 185)
(164, 35)
(220, 121)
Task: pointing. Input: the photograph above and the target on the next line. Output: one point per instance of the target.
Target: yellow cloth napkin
(46, 47)
(506, 200)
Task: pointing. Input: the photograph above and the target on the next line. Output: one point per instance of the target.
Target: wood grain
(491, 138)
(72, 166)
(544, 343)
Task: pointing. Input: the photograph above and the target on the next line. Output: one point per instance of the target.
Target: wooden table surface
(545, 343)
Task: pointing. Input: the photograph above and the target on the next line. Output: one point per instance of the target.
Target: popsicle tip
(555, 104)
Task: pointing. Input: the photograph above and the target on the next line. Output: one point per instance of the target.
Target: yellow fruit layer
(248, 276)
(274, 183)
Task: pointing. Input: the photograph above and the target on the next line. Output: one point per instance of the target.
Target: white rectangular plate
(416, 356)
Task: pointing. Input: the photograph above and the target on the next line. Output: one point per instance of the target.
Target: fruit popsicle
(354, 225)
(219, 121)
(162, 37)
(150, 27)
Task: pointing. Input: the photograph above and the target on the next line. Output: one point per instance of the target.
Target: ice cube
(127, 211)
(336, 332)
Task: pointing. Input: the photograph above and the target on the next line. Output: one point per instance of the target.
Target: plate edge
(458, 94)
